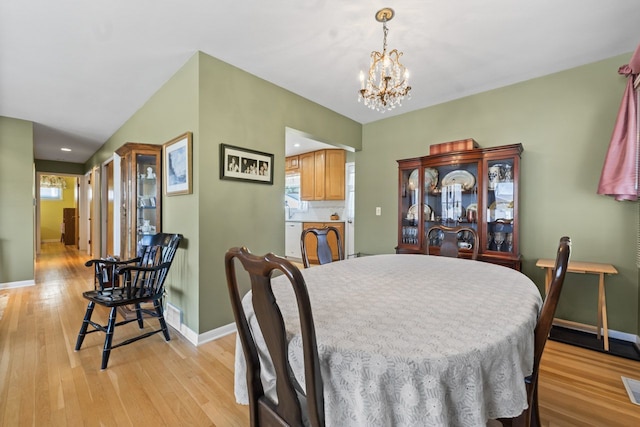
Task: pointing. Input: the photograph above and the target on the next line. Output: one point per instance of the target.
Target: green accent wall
(170, 112)
(564, 122)
(55, 167)
(223, 104)
(17, 200)
(51, 212)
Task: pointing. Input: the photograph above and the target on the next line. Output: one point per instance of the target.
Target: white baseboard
(20, 284)
(211, 335)
(216, 333)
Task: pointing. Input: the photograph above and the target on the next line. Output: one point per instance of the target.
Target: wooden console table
(585, 268)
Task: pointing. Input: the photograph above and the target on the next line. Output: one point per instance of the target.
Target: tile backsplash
(317, 211)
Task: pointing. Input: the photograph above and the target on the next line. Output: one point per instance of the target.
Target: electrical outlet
(378, 211)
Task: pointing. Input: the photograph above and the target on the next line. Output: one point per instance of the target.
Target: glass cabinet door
(410, 217)
(451, 199)
(147, 186)
(141, 177)
(501, 193)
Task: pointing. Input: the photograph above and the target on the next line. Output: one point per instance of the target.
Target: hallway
(151, 382)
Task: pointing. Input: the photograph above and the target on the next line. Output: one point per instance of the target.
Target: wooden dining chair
(531, 415)
(449, 238)
(324, 252)
(130, 283)
(263, 410)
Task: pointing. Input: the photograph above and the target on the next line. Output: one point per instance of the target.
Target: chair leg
(139, 316)
(106, 351)
(535, 411)
(163, 324)
(85, 324)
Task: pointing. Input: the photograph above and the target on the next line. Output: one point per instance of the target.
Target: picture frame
(243, 164)
(177, 165)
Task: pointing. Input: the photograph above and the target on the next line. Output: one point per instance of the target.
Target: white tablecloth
(413, 340)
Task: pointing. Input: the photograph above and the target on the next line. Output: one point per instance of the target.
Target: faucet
(287, 208)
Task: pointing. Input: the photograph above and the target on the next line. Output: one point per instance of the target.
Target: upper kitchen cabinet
(322, 175)
(140, 194)
(476, 187)
(291, 164)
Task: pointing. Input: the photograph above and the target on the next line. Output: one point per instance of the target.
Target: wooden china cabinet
(477, 187)
(141, 175)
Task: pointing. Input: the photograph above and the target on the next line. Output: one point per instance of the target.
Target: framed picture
(177, 165)
(245, 165)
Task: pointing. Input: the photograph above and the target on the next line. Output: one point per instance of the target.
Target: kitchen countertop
(314, 220)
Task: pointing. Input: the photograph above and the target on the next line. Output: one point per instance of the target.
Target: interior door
(110, 219)
(69, 219)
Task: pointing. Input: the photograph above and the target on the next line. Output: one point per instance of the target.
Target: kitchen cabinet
(141, 195)
(477, 187)
(310, 239)
(307, 176)
(322, 175)
(291, 164)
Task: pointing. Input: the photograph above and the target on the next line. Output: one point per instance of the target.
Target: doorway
(57, 209)
(298, 211)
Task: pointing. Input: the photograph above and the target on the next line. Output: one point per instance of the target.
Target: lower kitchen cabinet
(310, 239)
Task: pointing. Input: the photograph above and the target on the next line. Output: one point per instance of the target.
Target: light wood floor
(152, 382)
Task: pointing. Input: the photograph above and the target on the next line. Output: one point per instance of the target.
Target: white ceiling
(79, 69)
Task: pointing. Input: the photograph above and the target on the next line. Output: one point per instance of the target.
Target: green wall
(239, 109)
(170, 112)
(564, 122)
(52, 166)
(222, 104)
(51, 212)
(17, 195)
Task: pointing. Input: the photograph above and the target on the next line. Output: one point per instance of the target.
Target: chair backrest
(263, 411)
(155, 253)
(323, 248)
(448, 237)
(545, 320)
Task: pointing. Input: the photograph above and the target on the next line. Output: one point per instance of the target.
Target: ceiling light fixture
(388, 81)
(65, 149)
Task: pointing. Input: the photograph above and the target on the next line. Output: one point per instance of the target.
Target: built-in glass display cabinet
(140, 194)
(476, 187)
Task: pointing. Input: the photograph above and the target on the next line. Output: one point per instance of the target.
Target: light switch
(378, 211)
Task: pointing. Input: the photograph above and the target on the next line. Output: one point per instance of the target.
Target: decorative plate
(466, 179)
(430, 179)
(413, 214)
(413, 180)
(501, 211)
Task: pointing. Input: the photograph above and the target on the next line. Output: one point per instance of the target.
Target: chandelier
(53, 181)
(388, 80)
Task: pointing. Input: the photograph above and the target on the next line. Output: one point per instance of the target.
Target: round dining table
(411, 340)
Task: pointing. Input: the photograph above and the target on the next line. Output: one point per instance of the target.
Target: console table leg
(603, 310)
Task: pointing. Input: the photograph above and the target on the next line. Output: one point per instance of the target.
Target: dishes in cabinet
(460, 176)
(501, 211)
(430, 179)
(412, 213)
(413, 180)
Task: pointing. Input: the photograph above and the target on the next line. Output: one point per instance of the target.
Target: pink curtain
(620, 174)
